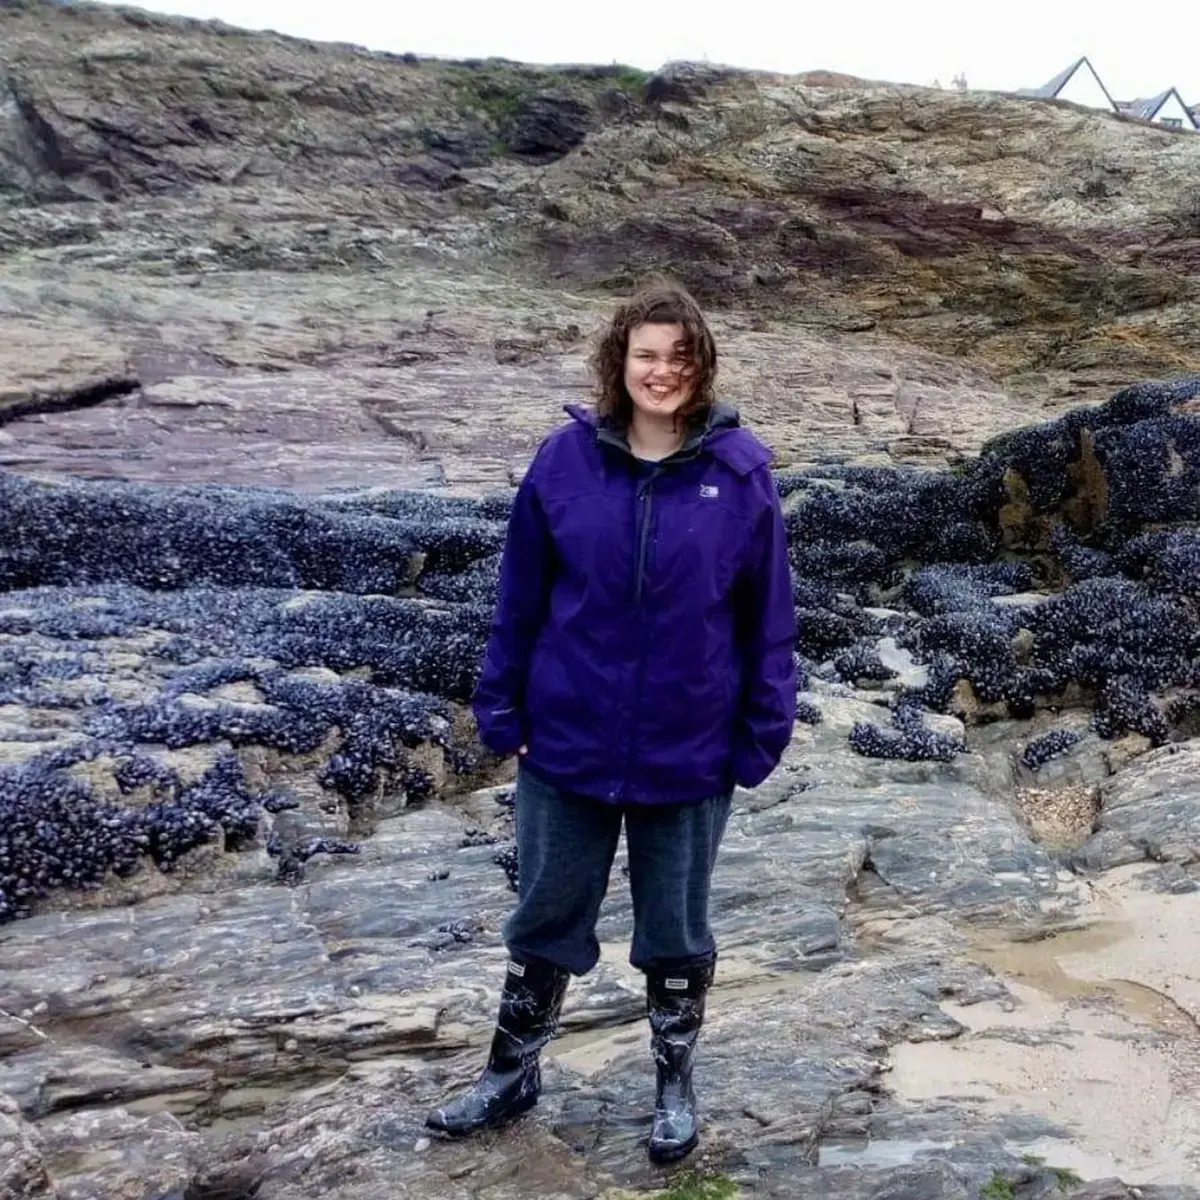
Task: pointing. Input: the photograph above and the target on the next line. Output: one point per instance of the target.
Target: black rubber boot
(675, 1005)
(510, 1083)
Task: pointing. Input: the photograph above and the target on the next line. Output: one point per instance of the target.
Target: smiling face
(659, 373)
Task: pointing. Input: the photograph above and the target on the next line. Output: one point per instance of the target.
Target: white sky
(1004, 45)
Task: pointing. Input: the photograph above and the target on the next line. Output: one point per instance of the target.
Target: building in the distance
(1167, 108)
(1081, 84)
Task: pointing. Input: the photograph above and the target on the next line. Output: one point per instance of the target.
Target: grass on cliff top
(498, 89)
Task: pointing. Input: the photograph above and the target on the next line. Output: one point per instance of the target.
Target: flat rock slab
(341, 386)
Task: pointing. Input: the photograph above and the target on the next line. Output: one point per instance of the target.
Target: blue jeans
(565, 849)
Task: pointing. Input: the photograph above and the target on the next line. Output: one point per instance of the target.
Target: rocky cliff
(281, 322)
(382, 238)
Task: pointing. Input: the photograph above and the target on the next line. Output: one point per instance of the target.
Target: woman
(640, 664)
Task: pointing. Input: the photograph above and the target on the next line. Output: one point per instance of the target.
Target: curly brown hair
(659, 302)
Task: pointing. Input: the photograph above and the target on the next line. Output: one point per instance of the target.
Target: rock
(548, 126)
(1171, 878)
(40, 158)
(908, 673)
(23, 153)
(23, 1169)
(426, 172)
(18, 1033)
(457, 148)
(687, 82)
(111, 1152)
(372, 741)
(1150, 810)
(13, 408)
(828, 245)
(44, 1081)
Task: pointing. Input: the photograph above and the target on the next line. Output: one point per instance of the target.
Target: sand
(1103, 1039)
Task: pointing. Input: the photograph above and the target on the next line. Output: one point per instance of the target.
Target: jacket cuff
(749, 773)
(751, 763)
(505, 735)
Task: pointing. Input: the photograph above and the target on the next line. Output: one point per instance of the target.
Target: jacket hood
(723, 436)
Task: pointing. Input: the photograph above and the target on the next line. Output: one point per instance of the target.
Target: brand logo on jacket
(709, 491)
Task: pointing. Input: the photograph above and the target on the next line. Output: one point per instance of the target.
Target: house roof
(1149, 108)
(1049, 91)
(1145, 108)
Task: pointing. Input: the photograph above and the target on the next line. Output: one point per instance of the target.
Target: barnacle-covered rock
(1168, 560)
(1077, 559)
(505, 857)
(345, 631)
(161, 537)
(912, 742)
(292, 858)
(1103, 500)
(1131, 460)
(959, 587)
(1041, 750)
(861, 662)
(824, 631)
(1125, 706)
(1103, 628)
(235, 668)
(55, 834)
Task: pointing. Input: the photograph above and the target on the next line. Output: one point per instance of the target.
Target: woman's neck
(654, 440)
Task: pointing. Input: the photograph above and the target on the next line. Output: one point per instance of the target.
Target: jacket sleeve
(766, 622)
(526, 572)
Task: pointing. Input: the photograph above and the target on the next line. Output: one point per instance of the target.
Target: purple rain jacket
(642, 644)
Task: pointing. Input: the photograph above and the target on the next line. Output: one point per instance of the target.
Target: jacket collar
(722, 436)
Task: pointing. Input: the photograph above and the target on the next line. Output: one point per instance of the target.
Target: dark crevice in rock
(868, 885)
(236, 1181)
(42, 139)
(548, 126)
(14, 408)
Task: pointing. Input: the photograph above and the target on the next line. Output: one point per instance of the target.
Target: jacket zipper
(645, 500)
(643, 513)
(646, 504)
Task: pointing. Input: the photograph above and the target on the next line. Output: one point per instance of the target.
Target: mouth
(658, 393)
